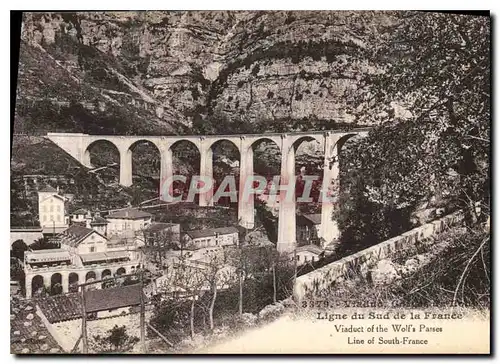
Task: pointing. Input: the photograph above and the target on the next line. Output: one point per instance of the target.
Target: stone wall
(28, 236)
(67, 333)
(323, 277)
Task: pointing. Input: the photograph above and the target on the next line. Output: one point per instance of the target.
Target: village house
(99, 224)
(51, 211)
(159, 233)
(127, 220)
(62, 314)
(80, 215)
(308, 253)
(81, 240)
(308, 226)
(84, 254)
(210, 238)
(90, 220)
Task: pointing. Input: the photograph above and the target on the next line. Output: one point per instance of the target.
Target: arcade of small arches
(78, 146)
(67, 281)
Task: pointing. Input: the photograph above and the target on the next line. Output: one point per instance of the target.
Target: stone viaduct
(77, 145)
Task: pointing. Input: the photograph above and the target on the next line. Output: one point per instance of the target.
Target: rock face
(197, 71)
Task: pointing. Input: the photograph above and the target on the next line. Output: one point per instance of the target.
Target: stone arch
(335, 149)
(56, 284)
(106, 276)
(274, 139)
(185, 156)
(121, 271)
(90, 275)
(37, 283)
(254, 147)
(214, 142)
(150, 167)
(298, 140)
(225, 158)
(73, 280)
(315, 156)
(102, 141)
(184, 140)
(106, 273)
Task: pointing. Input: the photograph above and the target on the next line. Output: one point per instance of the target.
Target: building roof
(331, 247)
(310, 248)
(93, 257)
(47, 255)
(159, 226)
(68, 306)
(80, 212)
(195, 234)
(62, 307)
(55, 195)
(129, 214)
(97, 220)
(75, 234)
(111, 298)
(48, 188)
(97, 257)
(309, 219)
(28, 334)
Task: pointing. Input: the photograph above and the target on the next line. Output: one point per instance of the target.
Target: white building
(51, 210)
(81, 215)
(84, 255)
(99, 224)
(127, 220)
(308, 227)
(81, 240)
(206, 238)
(308, 253)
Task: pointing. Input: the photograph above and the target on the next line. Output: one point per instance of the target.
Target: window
(44, 217)
(58, 208)
(51, 217)
(58, 218)
(44, 209)
(92, 249)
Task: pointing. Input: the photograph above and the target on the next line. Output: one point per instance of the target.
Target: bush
(271, 312)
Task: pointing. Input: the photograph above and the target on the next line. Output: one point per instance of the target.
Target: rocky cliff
(191, 71)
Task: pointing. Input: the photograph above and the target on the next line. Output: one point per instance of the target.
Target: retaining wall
(311, 283)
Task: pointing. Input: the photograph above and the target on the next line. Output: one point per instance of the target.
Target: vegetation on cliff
(437, 154)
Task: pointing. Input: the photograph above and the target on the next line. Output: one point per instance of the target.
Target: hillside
(190, 72)
(161, 73)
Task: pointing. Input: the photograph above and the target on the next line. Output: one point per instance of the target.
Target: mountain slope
(190, 72)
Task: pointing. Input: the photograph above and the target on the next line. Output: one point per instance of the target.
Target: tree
(170, 317)
(18, 248)
(16, 270)
(217, 274)
(44, 243)
(430, 93)
(186, 280)
(156, 244)
(117, 341)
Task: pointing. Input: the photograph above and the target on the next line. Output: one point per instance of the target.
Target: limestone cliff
(191, 72)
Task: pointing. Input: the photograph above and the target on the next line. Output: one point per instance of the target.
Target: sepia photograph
(250, 182)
